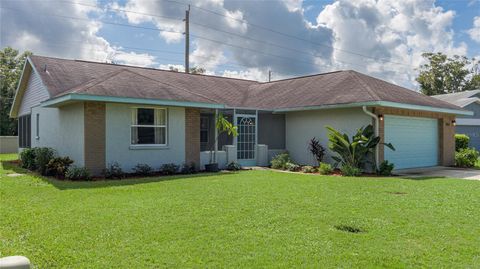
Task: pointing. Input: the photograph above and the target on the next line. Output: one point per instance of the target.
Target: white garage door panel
(415, 141)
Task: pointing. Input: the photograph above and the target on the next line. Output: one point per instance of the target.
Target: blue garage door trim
(415, 141)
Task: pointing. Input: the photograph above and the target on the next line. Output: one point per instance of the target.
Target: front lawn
(240, 220)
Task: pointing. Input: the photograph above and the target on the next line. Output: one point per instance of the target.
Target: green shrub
(466, 157)
(169, 169)
(292, 167)
(27, 156)
(385, 168)
(42, 158)
(143, 169)
(113, 171)
(58, 166)
(234, 166)
(350, 171)
(280, 161)
(190, 168)
(309, 169)
(325, 168)
(461, 141)
(77, 173)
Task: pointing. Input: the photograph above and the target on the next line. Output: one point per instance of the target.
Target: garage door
(415, 141)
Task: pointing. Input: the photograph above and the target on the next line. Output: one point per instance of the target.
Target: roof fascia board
(19, 93)
(114, 99)
(379, 103)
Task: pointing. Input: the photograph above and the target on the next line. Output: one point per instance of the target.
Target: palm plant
(357, 151)
(223, 126)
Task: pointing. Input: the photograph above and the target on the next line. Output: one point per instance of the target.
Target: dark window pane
(203, 136)
(145, 135)
(29, 131)
(20, 132)
(24, 131)
(145, 116)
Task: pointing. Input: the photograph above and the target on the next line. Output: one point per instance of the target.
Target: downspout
(364, 108)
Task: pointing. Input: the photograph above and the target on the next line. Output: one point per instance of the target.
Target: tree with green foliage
(11, 66)
(443, 74)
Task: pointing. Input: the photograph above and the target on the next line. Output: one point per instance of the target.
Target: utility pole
(187, 40)
(269, 75)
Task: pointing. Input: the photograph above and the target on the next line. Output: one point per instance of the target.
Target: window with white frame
(149, 126)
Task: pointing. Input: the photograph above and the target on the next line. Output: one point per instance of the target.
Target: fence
(8, 144)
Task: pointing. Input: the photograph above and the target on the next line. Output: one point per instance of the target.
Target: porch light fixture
(380, 117)
(454, 122)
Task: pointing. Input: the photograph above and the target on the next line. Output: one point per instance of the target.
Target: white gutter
(364, 108)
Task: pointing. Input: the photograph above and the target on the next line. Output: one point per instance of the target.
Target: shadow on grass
(104, 183)
(421, 177)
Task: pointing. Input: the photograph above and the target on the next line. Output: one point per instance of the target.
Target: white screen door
(246, 139)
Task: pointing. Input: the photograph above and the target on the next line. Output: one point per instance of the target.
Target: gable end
(30, 92)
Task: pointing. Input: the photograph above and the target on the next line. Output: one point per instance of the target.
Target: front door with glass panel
(246, 139)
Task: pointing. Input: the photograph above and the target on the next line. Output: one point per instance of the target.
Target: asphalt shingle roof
(461, 99)
(341, 87)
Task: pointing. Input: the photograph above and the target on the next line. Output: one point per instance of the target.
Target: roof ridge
(95, 81)
(370, 91)
(300, 77)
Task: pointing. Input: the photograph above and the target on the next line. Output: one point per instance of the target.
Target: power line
(199, 37)
(245, 37)
(285, 34)
(102, 21)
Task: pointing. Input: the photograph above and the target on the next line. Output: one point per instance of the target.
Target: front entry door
(246, 139)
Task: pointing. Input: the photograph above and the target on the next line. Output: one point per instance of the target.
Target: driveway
(440, 171)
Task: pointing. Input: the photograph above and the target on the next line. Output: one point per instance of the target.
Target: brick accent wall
(192, 136)
(94, 123)
(446, 131)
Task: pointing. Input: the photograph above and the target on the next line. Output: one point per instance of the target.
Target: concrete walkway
(440, 171)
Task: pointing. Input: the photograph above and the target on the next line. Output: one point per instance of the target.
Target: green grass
(240, 220)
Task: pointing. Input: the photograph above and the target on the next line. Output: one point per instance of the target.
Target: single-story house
(466, 124)
(99, 113)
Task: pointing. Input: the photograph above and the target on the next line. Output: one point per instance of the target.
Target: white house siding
(303, 126)
(61, 129)
(34, 94)
(118, 148)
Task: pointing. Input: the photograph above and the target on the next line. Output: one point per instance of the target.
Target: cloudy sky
(245, 39)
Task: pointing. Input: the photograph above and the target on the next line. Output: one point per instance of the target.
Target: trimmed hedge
(466, 157)
(461, 141)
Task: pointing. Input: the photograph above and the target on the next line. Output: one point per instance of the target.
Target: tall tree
(443, 74)
(11, 65)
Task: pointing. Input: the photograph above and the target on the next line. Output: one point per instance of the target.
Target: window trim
(140, 146)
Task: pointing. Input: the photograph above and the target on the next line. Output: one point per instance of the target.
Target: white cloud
(251, 73)
(133, 58)
(389, 31)
(178, 67)
(35, 26)
(233, 19)
(392, 31)
(474, 32)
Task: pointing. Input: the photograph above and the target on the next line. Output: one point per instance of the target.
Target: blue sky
(246, 39)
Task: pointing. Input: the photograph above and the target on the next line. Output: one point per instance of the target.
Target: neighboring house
(466, 124)
(99, 113)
